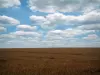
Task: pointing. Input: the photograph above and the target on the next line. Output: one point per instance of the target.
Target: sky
(49, 23)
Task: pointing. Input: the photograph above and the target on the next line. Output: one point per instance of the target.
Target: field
(50, 61)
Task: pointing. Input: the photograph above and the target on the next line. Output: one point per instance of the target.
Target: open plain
(50, 61)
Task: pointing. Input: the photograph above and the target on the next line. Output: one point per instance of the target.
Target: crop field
(50, 61)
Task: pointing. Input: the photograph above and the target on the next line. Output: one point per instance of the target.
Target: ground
(50, 61)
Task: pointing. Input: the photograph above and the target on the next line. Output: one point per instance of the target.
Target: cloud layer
(2, 29)
(91, 19)
(5, 20)
(51, 23)
(26, 27)
(91, 37)
(9, 3)
(63, 5)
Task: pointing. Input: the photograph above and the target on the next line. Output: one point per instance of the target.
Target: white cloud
(63, 5)
(68, 33)
(47, 44)
(21, 37)
(37, 18)
(9, 3)
(74, 32)
(92, 17)
(54, 35)
(27, 33)
(91, 37)
(21, 34)
(2, 29)
(89, 27)
(51, 20)
(5, 20)
(4, 38)
(59, 18)
(7, 36)
(26, 27)
(50, 41)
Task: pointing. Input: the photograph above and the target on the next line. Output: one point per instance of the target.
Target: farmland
(50, 61)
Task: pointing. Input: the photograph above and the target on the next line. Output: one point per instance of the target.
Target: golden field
(50, 61)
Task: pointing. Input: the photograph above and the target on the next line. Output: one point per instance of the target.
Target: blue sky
(54, 23)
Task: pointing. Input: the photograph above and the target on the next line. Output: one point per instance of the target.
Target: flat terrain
(50, 61)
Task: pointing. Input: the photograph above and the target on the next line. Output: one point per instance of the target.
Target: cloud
(63, 5)
(9, 3)
(68, 33)
(26, 27)
(92, 17)
(5, 20)
(4, 38)
(27, 34)
(47, 44)
(89, 27)
(7, 36)
(2, 29)
(53, 38)
(23, 37)
(20, 34)
(91, 37)
(52, 20)
(74, 32)
(65, 38)
(37, 18)
(54, 35)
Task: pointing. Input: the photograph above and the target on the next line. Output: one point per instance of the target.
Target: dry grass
(52, 61)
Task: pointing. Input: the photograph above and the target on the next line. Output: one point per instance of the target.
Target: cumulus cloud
(27, 34)
(63, 5)
(7, 36)
(5, 20)
(51, 20)
(74, 32)
(68, 33)
(91, 37)
(54, 38)
(9, 3)
(21, 37)
(2, 29)
(89, 27)
(65, 38)
(4, 38)
(26, 27)
(92, 17)
(37, 18)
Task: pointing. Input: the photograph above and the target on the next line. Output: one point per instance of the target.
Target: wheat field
(50, 61)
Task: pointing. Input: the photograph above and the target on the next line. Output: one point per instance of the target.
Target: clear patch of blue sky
(73, 13)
